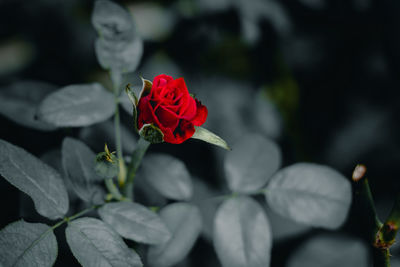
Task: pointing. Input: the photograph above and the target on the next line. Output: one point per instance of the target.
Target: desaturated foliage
(153, 210)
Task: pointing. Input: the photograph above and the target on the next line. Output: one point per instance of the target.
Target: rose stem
(116, 81)
(381, 255)
(136, 159)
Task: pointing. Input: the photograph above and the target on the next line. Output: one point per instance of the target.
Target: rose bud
(166, 111)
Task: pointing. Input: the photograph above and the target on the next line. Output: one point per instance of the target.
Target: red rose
(171, 108)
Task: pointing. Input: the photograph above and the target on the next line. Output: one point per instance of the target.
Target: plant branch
(116, 80)
(381, 257)
(73, 217)
(386, 235)
(394, 217)
(136, 159)
(113, 189)
(381, 253)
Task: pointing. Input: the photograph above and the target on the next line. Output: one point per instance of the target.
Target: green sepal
(151, 133)
(146, 88)
(209, 137)
(135, 102)
(106, 165)
(132, 96)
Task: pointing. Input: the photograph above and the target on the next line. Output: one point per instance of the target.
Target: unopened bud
(359, 172)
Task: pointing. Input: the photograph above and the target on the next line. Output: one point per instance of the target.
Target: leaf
(136, 222)
(20, 100)
(242, 235)
(251, 163)
(326, 250)
(138, 154)
(77, 106)
(153, 21)
(168, 175)
(124, 56)
(78, 163)
(309, 193)
(96, 135)
(184, 222)
(283, 228)
(209, 137)
(93, 243)
(27, 244)
(267, 117)
(35, 178)
(207, 199)
(118, 47)
(147, 195)
(52, 158)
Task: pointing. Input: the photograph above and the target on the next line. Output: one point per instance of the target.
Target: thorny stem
(394, 218)
(370, 203)
(381, 257)
(380, 235)
(386, 234)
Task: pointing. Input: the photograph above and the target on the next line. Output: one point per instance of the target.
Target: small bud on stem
(359, 172)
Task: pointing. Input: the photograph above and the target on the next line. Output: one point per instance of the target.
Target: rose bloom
(170, 107)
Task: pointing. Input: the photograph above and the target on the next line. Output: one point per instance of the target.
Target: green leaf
(136, 222)
(327, 250)
(78, 164)
(20, 100)
(251, 163)
(184, 222)
(242, 235)
(168, 175)
(94, 244)
(118, 47)
(309, 193)
(77, 106)
(35, 178)
(27, 244)
(209, 137)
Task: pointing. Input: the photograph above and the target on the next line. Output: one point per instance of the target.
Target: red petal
(161, 80)
(167, 118)
(144, 112)
(184, 131)
(188, 110)
(179, 86)
(168, 135)
(201, 114)
(186, 103)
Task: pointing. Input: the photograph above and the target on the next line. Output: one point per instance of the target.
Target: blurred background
(319, 77)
